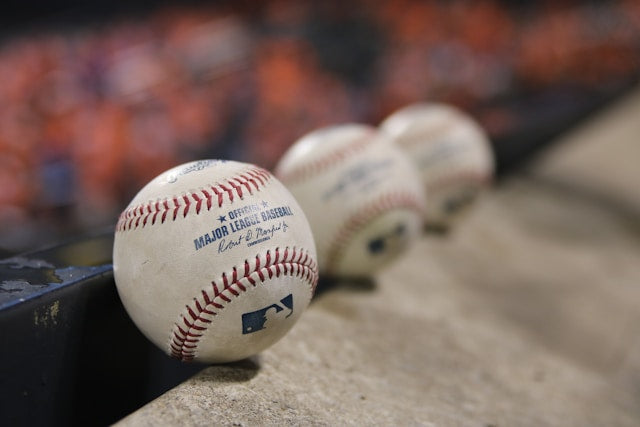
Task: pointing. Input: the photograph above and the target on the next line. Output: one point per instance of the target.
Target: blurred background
(95, 100)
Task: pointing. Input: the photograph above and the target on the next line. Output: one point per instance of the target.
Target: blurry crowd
(89, 114)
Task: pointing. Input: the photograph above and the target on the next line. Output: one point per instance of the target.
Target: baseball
(214, 261)
(363, 198)
(452, 153)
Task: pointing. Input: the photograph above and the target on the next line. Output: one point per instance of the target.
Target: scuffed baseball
(363, 198)
(214, 261)
(452, 153)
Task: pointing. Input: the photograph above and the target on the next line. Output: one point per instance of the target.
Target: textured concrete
(528, 314)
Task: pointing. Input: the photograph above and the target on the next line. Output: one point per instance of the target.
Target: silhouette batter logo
(255, 321)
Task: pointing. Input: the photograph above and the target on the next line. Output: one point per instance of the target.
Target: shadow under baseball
(240, 371)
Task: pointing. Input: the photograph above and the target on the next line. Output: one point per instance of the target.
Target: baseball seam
(364, 215)
(198, 316)
(316, 166)
(169, 208)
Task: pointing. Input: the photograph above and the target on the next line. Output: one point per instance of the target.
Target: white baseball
(214, 260)
(363, 198)
(452, 153)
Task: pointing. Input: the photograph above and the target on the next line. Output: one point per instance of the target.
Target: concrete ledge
(528, 314)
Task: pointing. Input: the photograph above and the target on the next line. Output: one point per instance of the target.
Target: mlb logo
(255, 321)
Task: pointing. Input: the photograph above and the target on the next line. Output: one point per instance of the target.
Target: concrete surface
(528, 314)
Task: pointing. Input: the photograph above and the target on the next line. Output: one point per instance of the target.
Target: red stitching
(196, 317)
(314, 167)
(198, 203)
(366, 214)
(245, 183)
(161, 210)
